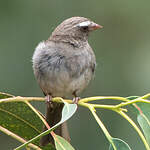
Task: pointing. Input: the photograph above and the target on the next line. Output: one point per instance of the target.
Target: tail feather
(53, 116)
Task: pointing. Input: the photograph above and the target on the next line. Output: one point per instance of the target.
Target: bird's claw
(49, 100)
(75, 100)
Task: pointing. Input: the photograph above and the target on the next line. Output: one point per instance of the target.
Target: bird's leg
(76, 98)
(49, 100)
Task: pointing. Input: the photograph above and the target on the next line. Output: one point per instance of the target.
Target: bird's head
(75, 27)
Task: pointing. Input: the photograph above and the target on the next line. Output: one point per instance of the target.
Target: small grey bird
(63, 66)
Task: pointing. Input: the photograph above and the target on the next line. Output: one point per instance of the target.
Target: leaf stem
(58, 99)
(100, 123)
(36, 112)
(132, 102)
(146, 96)
(43, 120)
(108, 136)
(110, 107)
(104, 98)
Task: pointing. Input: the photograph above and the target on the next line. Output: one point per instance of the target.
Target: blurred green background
(122, 50)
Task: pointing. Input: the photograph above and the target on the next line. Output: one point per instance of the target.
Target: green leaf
(142, 111)
(144, 120)
(119, 144)
(20, 119)
(132, 107)
(62, 144)
(132, 97)
(5, 95)
(68, 111)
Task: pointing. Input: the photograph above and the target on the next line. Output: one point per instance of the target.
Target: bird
(63, 66)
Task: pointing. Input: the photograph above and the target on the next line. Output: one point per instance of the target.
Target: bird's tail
(53, 116)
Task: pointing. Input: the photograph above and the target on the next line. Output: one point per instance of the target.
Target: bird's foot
(76, 99)
(49, 100)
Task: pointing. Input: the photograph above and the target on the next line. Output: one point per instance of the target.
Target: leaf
(62, 144)
(143, 119)
(142, 111)
(19, 118)
(5, 95)
(132, 107)
(68, 111)
(132, 97)
(119, 144)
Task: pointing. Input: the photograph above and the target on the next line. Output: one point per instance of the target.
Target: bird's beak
(94, 26)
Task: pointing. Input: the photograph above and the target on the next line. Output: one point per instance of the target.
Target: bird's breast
(61, 71)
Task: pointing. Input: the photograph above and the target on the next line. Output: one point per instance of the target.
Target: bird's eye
(84, 28)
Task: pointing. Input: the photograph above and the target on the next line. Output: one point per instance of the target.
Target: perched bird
(63, 66)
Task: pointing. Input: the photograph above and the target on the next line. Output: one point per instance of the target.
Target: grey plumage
(65, 63)
(61, 70)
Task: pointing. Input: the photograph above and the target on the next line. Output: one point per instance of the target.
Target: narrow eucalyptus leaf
(119, 144)
(20, 119)
(5, 95)
(62, 144)
(68, 111)
(143, 119)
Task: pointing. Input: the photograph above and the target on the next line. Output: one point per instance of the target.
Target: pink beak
(95, 26)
